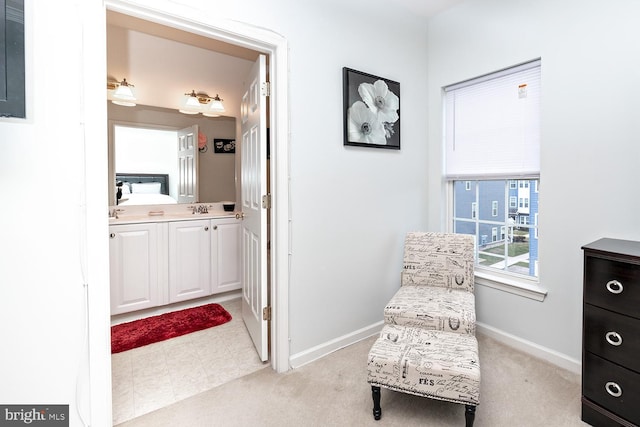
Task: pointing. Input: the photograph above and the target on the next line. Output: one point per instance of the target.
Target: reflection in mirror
(151, 153)
(143, 149)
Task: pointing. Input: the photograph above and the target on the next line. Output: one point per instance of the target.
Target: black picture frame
(222, 145)
(371, 110)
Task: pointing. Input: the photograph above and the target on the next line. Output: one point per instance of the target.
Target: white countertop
(162, 213)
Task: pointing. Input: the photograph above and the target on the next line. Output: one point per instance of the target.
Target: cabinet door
(189, 260)
(133, 267)
(226, 253)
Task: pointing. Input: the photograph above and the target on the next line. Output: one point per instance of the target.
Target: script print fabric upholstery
(433, 364)
(437, 284)
(433, 308)
(439, 259)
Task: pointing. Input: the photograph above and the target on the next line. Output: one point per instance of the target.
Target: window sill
(523, 287)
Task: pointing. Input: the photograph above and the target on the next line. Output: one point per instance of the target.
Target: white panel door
(254, 226)
(188, 165)
(133, 256)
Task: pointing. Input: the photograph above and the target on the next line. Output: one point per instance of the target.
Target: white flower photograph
(371, 110)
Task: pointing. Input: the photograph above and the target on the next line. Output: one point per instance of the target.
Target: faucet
(201, 209)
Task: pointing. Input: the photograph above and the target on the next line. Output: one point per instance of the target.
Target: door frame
(275, 46)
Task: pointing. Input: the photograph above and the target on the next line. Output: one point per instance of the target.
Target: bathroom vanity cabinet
(190, 259)
(135, 259)
(163, 262)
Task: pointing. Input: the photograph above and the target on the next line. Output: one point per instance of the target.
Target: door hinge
(266, 313)
(265, 89)
(266, 201)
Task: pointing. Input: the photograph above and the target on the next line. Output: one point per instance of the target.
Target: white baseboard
(319, 351)
(559, 359)
(536, 350)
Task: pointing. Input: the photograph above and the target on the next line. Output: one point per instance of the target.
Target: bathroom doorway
(273, 47)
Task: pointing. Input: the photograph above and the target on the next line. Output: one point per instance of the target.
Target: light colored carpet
(516, 390)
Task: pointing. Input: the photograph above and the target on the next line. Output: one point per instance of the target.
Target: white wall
(589, 153)
(44, 261)
(350, 207)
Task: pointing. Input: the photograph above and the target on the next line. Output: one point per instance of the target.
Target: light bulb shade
(216, 106)
(124, 103)
(190, 104)
(124, 92)
(123, 95)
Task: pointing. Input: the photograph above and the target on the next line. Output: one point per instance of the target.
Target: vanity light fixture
(122, 93)
(201, 103)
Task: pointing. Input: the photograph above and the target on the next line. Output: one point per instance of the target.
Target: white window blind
(492, 125)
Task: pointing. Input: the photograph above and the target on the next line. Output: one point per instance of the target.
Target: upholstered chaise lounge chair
(436, 284)
(427, 346)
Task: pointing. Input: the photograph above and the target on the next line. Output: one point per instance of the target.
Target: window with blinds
(492, 166)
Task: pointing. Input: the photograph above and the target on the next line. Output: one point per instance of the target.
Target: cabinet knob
(206, 228)
(613, 338)
(112, 235)
(215, 227)
(613, 389)
(614, 287)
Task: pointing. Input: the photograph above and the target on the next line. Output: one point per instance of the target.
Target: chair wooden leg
(469, 415)
(377, 410)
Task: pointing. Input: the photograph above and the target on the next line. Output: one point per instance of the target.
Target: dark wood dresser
(611, 333)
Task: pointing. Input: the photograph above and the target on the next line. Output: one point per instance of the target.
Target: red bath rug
(138, 333)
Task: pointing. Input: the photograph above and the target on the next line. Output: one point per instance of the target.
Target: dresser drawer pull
(613, 389)
(614, 338)
(615, 287)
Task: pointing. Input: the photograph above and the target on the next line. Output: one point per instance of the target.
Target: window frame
(519, 284)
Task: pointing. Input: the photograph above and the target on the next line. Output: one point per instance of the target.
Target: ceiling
(425, 8)
(169, 33)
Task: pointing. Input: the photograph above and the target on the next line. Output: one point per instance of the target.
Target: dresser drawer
(612, 387)
(612, 336)
(612, 285)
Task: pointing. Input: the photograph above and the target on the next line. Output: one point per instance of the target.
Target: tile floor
(151, 377)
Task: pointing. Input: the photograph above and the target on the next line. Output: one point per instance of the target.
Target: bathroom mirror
(150, 129)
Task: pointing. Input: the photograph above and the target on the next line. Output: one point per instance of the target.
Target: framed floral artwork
(221, 145)
(371, 110)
